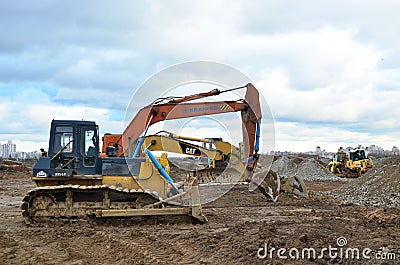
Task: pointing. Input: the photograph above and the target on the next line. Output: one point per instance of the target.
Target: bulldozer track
(76, 201)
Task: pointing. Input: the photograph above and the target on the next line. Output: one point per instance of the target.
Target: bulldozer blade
(270, 186)
(295, 185)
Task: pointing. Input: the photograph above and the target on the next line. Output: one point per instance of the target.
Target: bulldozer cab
(357, 155)
(339, 157)
(73, 150)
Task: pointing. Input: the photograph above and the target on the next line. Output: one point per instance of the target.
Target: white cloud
(293, 136)
(27, 120)
(316, 63)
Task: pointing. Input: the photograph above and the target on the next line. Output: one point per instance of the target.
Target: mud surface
(240, 223)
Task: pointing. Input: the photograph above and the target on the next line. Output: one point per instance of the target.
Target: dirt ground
(242, 225)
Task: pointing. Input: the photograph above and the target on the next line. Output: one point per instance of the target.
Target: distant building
(395, 150)
(8, 150)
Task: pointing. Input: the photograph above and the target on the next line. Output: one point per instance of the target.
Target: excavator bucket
(295, 185)
(270, 186)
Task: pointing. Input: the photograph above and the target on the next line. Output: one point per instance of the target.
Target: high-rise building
(318, 149)
(8, 150)
(395, 150)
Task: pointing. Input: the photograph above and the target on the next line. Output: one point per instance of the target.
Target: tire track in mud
(20, 250)
(151, 249)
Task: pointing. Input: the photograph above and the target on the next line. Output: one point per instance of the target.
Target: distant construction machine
(350, 163)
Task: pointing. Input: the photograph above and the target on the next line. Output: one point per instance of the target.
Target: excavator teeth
(270, 186)
(126, 190)
(295, 185)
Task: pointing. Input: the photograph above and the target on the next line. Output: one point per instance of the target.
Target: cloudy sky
(329, 70)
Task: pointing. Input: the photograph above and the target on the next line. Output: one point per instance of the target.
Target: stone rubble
(379, 187)
(306, 168)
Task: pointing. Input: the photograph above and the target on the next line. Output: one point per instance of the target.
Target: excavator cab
(73, 150)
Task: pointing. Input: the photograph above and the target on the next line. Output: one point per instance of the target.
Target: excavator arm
(177, 108)
(181, 108)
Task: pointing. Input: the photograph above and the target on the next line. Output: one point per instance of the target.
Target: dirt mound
(306, 168)
(380, 186)
(11, 165)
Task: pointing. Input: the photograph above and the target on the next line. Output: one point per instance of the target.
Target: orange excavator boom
(181, 108)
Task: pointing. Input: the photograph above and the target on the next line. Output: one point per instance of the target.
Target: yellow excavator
(122, 178)
(215, 160)
(350, 164)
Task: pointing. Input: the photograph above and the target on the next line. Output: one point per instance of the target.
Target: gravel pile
(380, 186)
(310, 169)
(284, 166)
(306, 168)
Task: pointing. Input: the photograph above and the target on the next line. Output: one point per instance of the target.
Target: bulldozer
(122, 178)
(75, 182)
(350, 163)
(220, 161)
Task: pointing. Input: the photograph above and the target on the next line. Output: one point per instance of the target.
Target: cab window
(64, 138)
(89, 148)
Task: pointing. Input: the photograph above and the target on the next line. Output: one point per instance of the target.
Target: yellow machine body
(224, 163)
(350, 164)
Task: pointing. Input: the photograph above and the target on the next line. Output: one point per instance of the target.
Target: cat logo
(41, 174)
(191, 151)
